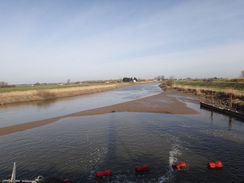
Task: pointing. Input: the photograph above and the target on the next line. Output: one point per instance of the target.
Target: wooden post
(212, 96)
(230, 100)
(230, 121)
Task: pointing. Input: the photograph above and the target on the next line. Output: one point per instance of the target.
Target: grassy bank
(37, 93)
(224, 92)
(54, 86)
(215, 84)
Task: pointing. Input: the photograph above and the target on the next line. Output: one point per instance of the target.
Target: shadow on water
(123, 169)
(121, 164)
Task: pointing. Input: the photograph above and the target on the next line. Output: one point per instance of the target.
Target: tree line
(126, 79)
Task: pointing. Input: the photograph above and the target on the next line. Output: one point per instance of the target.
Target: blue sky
(57, 40)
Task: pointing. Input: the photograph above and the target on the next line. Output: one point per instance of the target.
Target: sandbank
(165, 102)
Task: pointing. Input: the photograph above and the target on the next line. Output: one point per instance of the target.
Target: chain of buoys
(146, 168)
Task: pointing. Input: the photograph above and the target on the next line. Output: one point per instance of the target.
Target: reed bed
(51, 94)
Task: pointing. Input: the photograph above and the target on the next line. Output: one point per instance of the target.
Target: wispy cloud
(81, 40)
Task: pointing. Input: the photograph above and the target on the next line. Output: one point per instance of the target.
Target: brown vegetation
(170, 82)
(226, 98)
(226, 93)
(37, 95)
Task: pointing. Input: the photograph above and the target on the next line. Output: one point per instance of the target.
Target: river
(78, 147)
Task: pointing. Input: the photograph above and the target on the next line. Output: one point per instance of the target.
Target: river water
(77, 147)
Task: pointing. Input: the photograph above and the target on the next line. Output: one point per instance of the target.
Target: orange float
(219, 164)
(211, 165)
(180, 165)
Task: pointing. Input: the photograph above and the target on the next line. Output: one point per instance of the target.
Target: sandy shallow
(165, 102)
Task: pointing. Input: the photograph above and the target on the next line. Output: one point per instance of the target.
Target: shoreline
(165, 102)
(52, 94)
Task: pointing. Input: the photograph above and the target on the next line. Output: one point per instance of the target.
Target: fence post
(212, 96)
(230, 100)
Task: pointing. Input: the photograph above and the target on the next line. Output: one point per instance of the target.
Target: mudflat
(165, 102)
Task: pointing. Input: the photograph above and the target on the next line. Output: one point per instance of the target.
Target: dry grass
(223, 97)
(37, 95)
(200, 90)
(236, 85)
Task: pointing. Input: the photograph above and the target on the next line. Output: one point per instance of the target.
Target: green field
(218, 84)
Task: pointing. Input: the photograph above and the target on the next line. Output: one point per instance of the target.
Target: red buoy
(138, 168)
(66, 180)
(142, 169)
(107, 173)
(211, 165)
(100, 174)
(145, 168)
(180, 165)
(219, 164)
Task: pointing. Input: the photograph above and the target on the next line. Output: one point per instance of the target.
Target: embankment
(227, 98)
(51, 94)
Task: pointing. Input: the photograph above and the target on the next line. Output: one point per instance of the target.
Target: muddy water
(77, 147)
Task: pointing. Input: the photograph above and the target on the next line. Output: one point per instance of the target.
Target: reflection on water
(32, 111)
(77, 147)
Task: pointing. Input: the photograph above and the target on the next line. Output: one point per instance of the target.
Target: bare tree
(170, 81)
(242, 74)
(68, 81)
(158, 78)
(2, 83)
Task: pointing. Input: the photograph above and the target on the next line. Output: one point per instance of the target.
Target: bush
(125, 79)
(170, 81)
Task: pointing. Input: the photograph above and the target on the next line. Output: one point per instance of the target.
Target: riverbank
(225, 93)
(225, 102)
(51, 94)
(165, 102)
